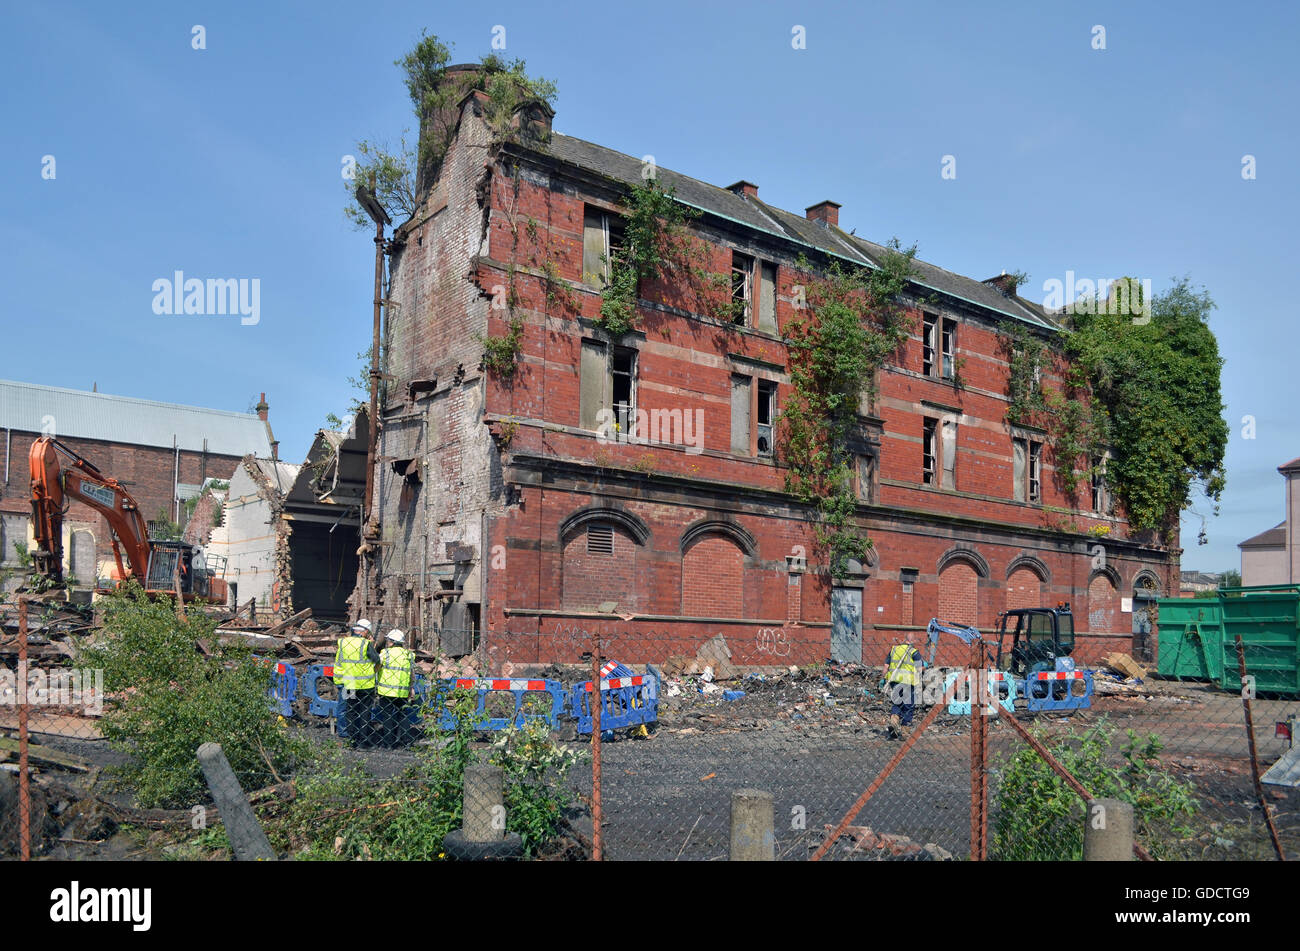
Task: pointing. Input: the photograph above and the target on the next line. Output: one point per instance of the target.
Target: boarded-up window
(950, 454)
(1019, 453)
(867, 477)
(767, 298)
(591, 396)
(594, 247)
(740, 396)
(1101, 499)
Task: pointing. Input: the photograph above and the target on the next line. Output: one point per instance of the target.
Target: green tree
(168, 699)
(1156, 402)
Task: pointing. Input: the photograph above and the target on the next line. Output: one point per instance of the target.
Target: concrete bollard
(1108, 831)
(752, 835)
(483, 819)
(484, 812)
(247, 840)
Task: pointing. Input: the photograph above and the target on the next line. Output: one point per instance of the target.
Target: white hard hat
(396, 635)
(363, 624)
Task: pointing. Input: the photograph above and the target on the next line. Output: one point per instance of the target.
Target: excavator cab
(1034, 639)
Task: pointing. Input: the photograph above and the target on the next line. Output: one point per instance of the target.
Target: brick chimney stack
(825, 213)
(1004, 283)
(742, 187)
(262, 408)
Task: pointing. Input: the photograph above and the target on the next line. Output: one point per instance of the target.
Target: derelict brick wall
(146, 472)
(1024, 590)
(531, 264)
(713, 578)
(959, 594)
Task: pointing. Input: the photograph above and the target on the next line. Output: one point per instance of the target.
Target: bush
(1040, 818)
(166, 699)
(341, 812)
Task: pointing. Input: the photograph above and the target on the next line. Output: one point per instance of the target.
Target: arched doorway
(1146, 589)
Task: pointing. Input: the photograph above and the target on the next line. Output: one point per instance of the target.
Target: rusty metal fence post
(597, 845)
(1247, 691)
(979, 790)
(24, 779)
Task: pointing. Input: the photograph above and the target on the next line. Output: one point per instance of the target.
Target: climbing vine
(1143, 387)
(852, 322)
(654, 237)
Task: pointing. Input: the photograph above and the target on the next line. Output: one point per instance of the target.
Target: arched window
(601, 548)
(713, 575)
(1103, 604)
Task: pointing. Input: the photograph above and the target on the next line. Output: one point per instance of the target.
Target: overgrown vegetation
(853, 322)
(1039, 818)
(1146, 391)
(341, 812)
(434, 95)
(166, 699)
(655, 239)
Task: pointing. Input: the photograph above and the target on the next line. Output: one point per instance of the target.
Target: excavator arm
(60, 476)
(966, 634)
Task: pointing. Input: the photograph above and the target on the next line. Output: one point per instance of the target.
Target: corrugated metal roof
(124, 419)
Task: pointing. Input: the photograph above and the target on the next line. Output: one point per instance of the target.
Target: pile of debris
(862, 842)
(1122, 677)
(50, 627)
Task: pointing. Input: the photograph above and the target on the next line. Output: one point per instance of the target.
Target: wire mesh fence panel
(620, 738)
(1177, 750)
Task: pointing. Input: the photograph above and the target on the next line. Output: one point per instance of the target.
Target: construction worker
(354, 675)
(902, 678)
(396, 679)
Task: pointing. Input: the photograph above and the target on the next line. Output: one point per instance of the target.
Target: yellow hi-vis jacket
(353, 667)
(396, 672)
(902, 669)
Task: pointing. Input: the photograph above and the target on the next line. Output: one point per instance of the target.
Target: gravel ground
(817, 740)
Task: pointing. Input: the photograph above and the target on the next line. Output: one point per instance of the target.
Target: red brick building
(502, 509)
(161, 453)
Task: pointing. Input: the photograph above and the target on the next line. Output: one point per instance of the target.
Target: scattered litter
(732, 694)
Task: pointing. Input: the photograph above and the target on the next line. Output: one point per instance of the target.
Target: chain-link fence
(147, 732)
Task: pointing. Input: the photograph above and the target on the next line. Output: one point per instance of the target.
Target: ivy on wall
(1143, 385)
(851, 323)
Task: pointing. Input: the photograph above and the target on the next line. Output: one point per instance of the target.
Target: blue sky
(225, 162)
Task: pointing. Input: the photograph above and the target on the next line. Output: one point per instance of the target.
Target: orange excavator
(61, 476)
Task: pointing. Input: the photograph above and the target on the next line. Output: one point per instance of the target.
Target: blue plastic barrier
(1039, 691)
(525, 691)
(624, 701)
(284, 687)
(997, 680)
(317, 705)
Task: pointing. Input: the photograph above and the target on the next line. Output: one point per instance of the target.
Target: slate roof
(1275, 537)
(754, 213)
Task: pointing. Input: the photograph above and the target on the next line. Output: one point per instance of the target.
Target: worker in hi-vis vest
(902, 678)
(354, 675)
(393, 694)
